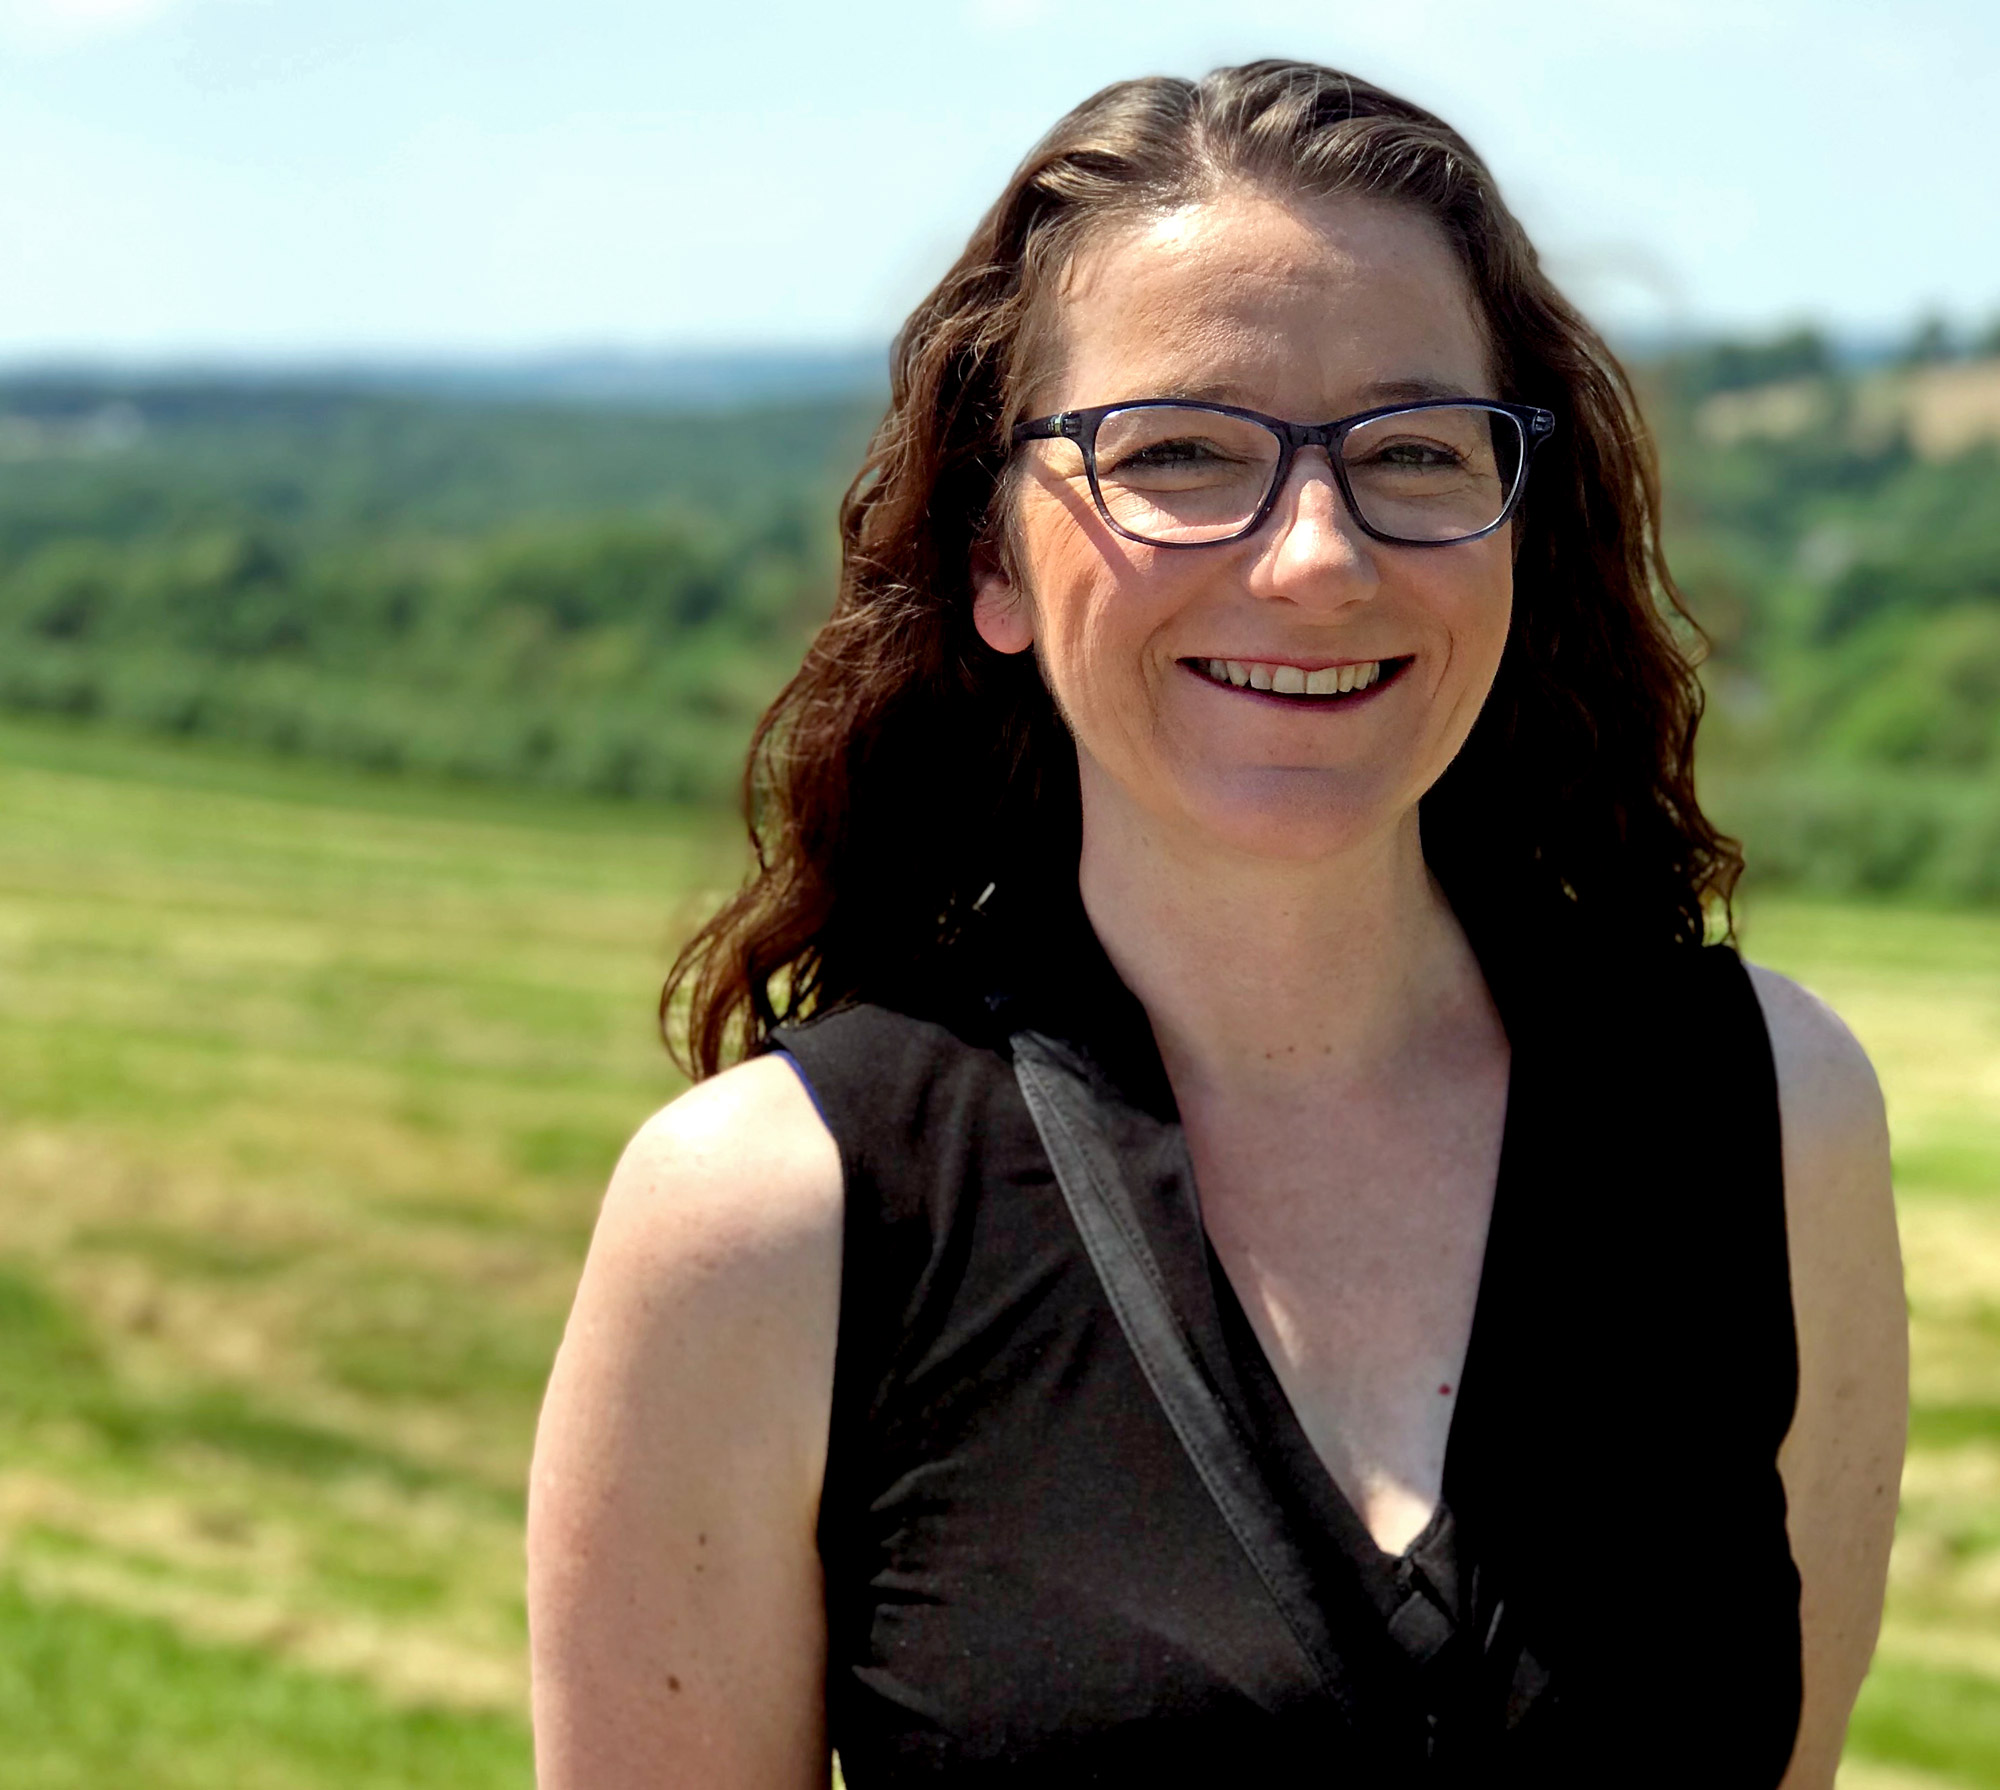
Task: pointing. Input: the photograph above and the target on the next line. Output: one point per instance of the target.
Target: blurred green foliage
(1850, 585)
(597, 600)
(603, 600)
(1836, 532)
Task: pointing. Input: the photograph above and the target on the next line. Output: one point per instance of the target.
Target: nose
(1311, 550)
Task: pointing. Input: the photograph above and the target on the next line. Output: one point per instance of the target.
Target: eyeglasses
(1195, 475)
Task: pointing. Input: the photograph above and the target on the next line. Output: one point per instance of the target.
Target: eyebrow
(1389, 391)
(1380, 391)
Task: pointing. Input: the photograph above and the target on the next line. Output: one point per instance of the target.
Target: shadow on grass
(50, 1369)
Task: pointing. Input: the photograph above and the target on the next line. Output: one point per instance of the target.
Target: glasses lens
(1174, 474)
(1434, 475)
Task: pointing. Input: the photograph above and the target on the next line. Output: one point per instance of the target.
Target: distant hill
(587, 595)
(96, 452)
(1943, 410)
(593, 571)
(608, 378)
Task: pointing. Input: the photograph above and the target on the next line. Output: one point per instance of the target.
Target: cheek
(1478, 613)
(1094, 596)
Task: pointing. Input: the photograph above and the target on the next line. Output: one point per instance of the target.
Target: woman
(1192, 791)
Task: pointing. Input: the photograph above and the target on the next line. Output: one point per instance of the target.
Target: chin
(1295, 814)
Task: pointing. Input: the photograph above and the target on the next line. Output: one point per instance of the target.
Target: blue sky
(271, 178)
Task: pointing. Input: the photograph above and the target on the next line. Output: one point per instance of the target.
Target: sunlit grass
(309, 1085)
(1922, 992)
(92, 1695)
(308, 1089)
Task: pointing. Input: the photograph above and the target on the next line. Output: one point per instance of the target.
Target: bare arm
(674, 1597)
(1843, 1460)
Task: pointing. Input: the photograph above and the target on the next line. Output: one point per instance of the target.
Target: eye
(1177, 451)
(1416, 456)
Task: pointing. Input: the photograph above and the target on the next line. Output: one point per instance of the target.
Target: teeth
(1293, 680)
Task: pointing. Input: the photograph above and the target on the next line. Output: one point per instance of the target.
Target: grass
(1922, 991)
(309, 1085)
(91, 1695)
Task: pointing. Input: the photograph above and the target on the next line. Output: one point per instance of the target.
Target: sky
(278, 179)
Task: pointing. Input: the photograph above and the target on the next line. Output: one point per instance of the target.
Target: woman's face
(1307, 310)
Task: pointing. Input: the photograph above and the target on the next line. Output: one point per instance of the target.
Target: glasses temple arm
(1064, 426)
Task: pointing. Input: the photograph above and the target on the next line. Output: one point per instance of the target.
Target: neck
(1258, 973)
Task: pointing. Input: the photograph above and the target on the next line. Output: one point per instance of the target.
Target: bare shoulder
(1842, 1461)
(739, 1166)
(1839, 1202)
(1826, 1084)
(718, 1243)
(1839, 1205)
(674, 1599)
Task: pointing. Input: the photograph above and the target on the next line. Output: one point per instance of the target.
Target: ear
(999, 606)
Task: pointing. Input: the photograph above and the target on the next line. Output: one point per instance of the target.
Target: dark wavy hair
(906, 766)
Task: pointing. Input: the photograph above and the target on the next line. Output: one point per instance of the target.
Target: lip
(1393, 667)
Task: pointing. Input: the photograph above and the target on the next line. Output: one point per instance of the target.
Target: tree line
(1848, 579)
(588, 599)
(603, 600)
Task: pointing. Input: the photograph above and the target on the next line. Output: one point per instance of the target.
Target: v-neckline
(1250, 1358)
(1070, 977)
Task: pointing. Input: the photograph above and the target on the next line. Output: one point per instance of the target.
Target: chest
(1027, 1579)
(1353, 1232)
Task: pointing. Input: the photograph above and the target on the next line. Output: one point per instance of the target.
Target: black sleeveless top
(1027, 1582)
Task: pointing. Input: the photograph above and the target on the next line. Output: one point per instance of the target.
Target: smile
(1296, 680)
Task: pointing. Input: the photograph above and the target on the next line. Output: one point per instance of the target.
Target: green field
(308, 1087)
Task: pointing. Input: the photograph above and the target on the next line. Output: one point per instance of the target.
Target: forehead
(1305, 308)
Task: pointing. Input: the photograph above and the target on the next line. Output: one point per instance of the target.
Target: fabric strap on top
(1063, 1105)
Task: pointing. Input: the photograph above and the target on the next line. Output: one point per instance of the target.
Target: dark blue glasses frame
(1080, 426)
